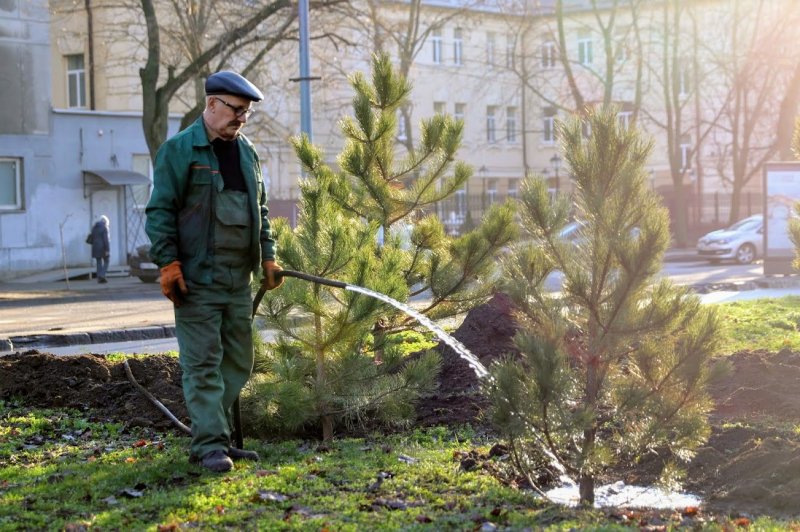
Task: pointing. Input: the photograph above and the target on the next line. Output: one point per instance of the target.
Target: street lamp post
(555, 162)
(482, 174)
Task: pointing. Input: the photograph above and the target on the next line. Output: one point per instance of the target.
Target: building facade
(709, 80)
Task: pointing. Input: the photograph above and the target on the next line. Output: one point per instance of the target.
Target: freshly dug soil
(746, 467)
(95, 384)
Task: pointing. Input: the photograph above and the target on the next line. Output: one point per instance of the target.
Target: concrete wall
(57, 205)
(24, 130)
(24, 67)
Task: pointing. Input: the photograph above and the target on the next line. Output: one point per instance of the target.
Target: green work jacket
(180, 213)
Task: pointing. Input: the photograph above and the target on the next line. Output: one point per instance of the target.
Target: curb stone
(86, 338)
(36, 341)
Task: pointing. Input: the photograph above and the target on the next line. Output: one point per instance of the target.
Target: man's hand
(172, 284)
(270, 280)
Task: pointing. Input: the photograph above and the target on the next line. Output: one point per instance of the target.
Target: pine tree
(373, 186)
(345, 366)
(615, 364)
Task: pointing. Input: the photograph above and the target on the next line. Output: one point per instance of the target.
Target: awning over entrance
(103, 179)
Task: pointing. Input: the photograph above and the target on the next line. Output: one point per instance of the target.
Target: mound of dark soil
(92, 382)
(486, 331)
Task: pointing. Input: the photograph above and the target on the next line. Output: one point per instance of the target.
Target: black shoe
(102, 280)
(241, 454)
(216, 461)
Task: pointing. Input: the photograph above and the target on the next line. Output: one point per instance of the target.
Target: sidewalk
(45, 310)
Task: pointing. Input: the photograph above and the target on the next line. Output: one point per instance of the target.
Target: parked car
(141, 265)
(573, 232)
(742, 242)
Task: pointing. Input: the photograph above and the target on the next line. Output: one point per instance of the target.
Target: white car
(742, 242)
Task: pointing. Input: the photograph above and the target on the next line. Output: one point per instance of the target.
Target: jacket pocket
(232, 221)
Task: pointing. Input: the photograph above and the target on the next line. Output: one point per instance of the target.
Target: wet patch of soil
(750, 465)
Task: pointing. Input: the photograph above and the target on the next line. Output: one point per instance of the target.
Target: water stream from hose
(462, 351)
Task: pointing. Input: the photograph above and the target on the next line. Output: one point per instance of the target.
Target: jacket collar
(199, 134)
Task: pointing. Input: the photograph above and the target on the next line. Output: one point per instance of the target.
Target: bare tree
(197, 58)
(560, 79)
(761, 94)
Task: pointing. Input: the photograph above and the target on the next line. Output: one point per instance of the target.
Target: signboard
(781, 193)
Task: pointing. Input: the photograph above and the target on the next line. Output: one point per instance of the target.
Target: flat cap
(227, 82)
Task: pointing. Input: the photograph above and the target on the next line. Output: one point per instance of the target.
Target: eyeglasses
(237, 111)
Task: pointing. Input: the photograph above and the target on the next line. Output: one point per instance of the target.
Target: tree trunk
(736, 199)
(586, 489)
(322, 408)
(586, 481)
(787, 116)
(681, 211)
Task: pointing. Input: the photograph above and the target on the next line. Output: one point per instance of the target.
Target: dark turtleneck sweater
(227, 152)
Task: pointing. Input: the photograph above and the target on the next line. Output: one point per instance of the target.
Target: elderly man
(208, 225)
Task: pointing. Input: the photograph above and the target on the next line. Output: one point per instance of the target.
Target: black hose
(311, 278)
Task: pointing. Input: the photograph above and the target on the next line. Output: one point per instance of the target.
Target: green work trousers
(214, 329)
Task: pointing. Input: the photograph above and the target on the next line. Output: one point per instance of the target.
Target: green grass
(60, 470)
(771, 324)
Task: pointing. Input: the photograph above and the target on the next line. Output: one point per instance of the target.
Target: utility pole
(304, 79)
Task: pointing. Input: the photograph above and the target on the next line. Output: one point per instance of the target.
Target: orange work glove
(270, 280)
(172, 284)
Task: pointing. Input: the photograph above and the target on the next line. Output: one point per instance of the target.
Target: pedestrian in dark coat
(101, 247)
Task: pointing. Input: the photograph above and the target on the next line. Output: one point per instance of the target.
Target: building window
(621, 50)
(513, 186)
(585, 50)
(549, 54)
(439, 108)
(625, 118)
(76, 81)
(458, 47)
(684, 80)
(510, 51)
(491, 41)
(511, 124)
(686, 155)
(10, 184)
(491, 127)
(402, 135)
(548, 126)
(436, 43)
(491, 191)
(459, 110)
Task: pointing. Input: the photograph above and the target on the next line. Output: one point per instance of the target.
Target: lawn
(771, 324)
